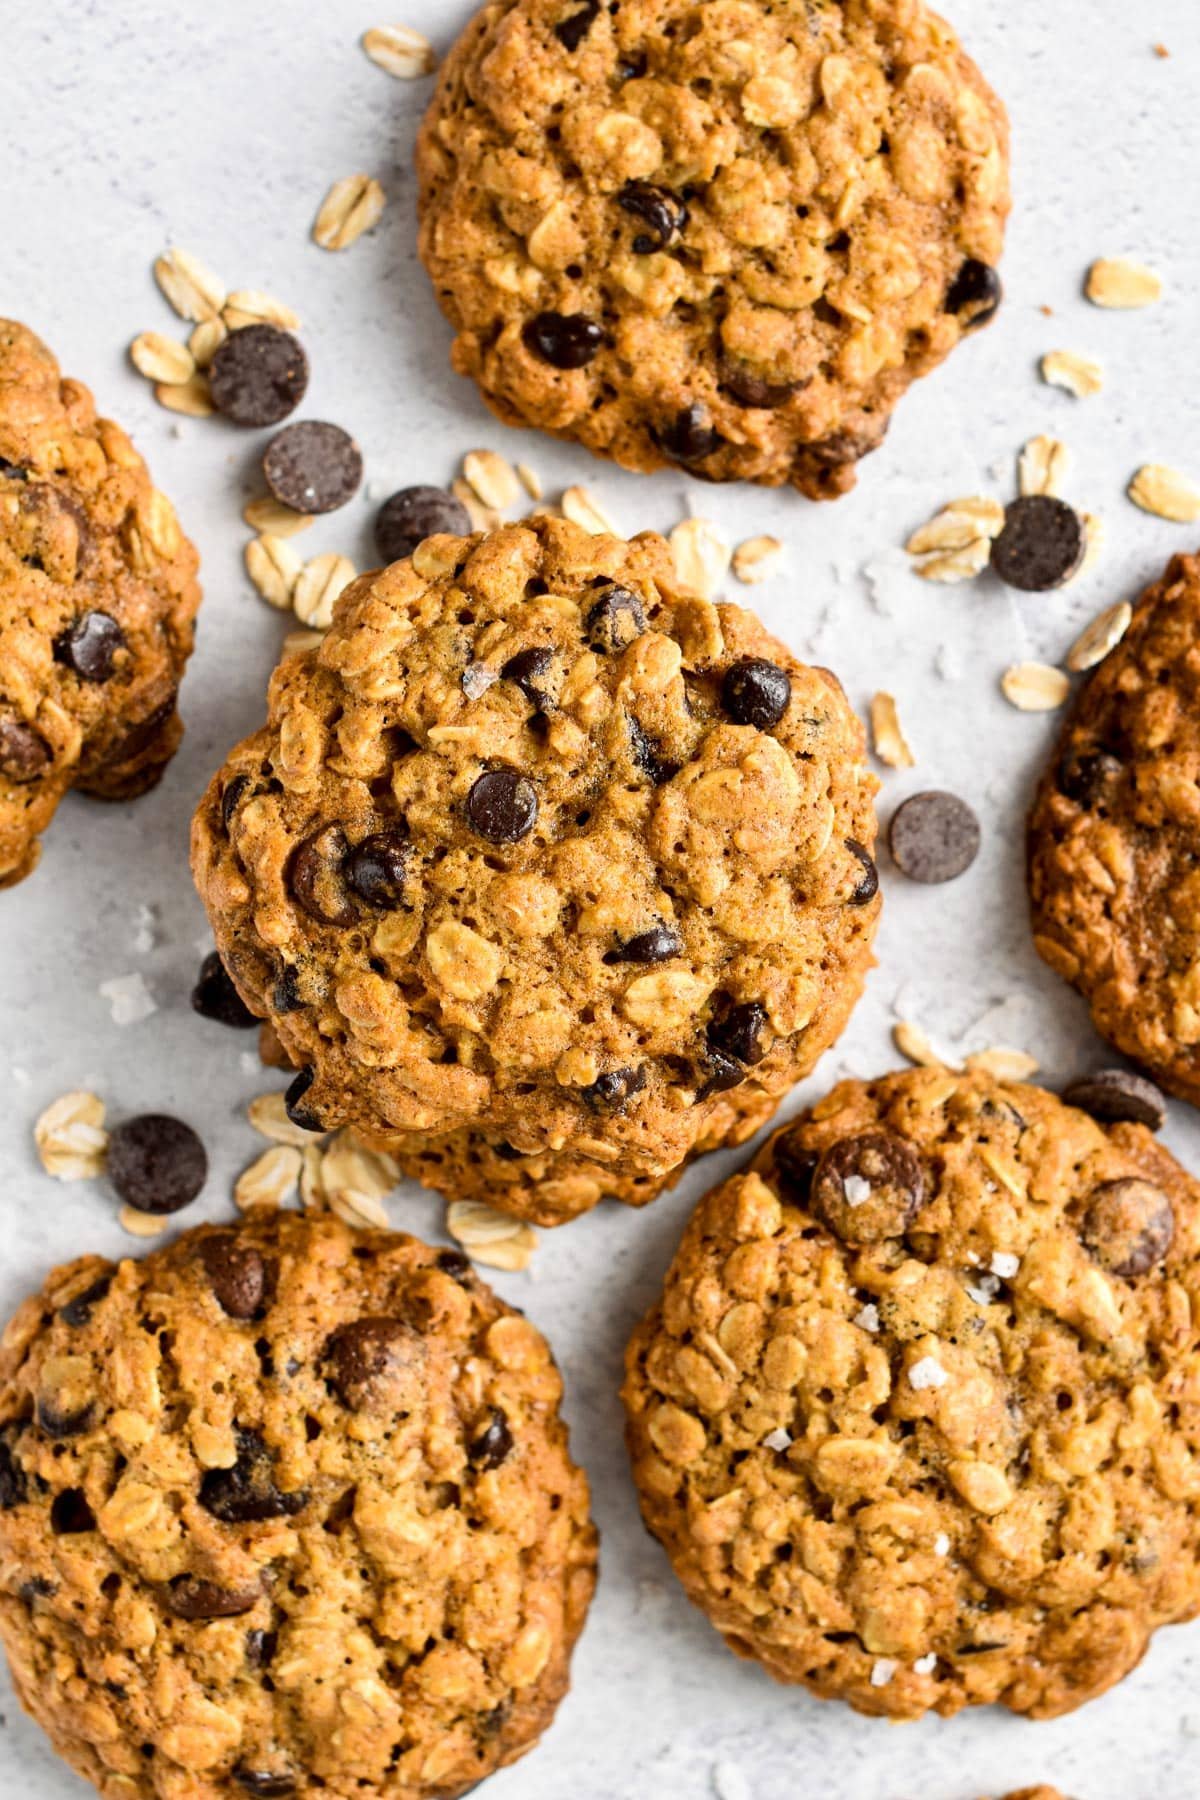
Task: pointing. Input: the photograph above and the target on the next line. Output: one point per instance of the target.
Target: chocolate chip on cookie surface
(906, 1416)
(1112, 839)
(548, 934)
(725, 235)
(98, 596)
(286, 1508)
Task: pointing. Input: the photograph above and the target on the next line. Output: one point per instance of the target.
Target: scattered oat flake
(867, 1317)
(273, 519)
(141, 1224)
(187, 285)
(483, 518)
(1005, 1065)
(274, 568)
(1097, 639)
(130, 1000)
(957, 565)
(206, 340)
(352, 206)
(250, 306)
(493, 478)
(319, 586)
(1034, 687)
(192, 397)
(882, 1671)
(912, 1042)
(313, 1197)
(1122, 285)
(729, 1783)
(1042, 466)
(925, 1665)
(891, 746)
(269, 1116)
(162, 359)
(757, 559)
(959, 524)
(299, 643)
(1093, 530)
(270, 1180)
(356, 1180)
(70, 1137)
(779, 1439)
(1076, 374)
(530, 480)
(581, 506)
(702, 557)
(400, 51)
(1166, 493)
(927, 1373)
(1005, 1264)
(489, 1236)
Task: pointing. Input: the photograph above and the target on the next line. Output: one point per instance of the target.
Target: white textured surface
(131, 123)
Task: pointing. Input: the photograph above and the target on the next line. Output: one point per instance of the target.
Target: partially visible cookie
(286, 1509)
(912, 1417)
(98, 596)
(547, 873)
(1113, 873)
(723, 234)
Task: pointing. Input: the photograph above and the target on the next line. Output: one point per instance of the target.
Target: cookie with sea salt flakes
(98, 599)
(720, 234)
(286, 1509)
(548, 874)
(913, 1416)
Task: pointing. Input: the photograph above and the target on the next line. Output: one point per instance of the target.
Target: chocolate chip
(12, 471)
(293, 1101)
(796, 1165)
(1129, 1225)
(414, 514)
(564, 340)
(215, 997)
(737, 1033)
(975, 293)
(756, 692)
(502, 806)
(91, 646)
(285, 994)
(1086, 777)
(613, 1091)
(755, 391)
(232, 795)
(663, 212)
(59, 1421)
(869, 1188)
(259, 375)
(376, 869)
(455, 1264)
(691, 435)
(659, 944)
(648, 756)
(265, 1784)
(315, 876)
(246, 1494)
(1117, 1096)
(191, 1597)
(13, 1488)
(615, 620)
(868, 886)
(493, 1445)
(1041, 546)
(313, 467)
(240, 1277)
(70, 1514)
(572, 30)
(24, 755)
(157, 1164)
(376, 1365)
(260, 1648)
(79, 1310)
(528, 670)
(37, 1588)
(934, 837)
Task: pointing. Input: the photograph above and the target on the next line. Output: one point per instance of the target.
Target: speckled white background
(126, 124)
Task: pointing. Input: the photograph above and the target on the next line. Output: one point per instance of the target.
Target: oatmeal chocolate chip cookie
(1113, 878)
(98, 596)
(548, 874)
(915, 1416)
(286, 1509)
(724, 235)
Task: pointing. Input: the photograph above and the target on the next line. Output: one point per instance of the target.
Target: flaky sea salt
(928, 1373)
(1005, 1264)
(729, 1783)
(925, 1665)
(883, 1671)
(941, 1544)
(867, 1317)
(856, 1189)
(984, 1289)
(779, 1439)
(129, 999)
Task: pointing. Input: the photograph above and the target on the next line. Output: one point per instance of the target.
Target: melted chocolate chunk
(868, 885)
(493, 1445)
(215, 997)
(376, 869)
(564, 340)
(191, 1597)
(79, 1310)
(663, 212)
(246, 1494)
(613, 1091)
(315, 876)
(241, 1278)
(614, 620)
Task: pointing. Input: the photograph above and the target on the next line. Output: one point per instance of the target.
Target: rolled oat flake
(313, 467)
(934, 837)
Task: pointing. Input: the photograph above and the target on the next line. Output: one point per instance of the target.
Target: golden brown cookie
(718, 233)
(1112, 838)
(547, 874)
(915, 1417)
(97, 600)
(286, 1509)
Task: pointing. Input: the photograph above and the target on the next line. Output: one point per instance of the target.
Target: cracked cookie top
(916, 1416)
(97, 600)
(725, 235)
(536, 843)
(286, 1508)
(1112, 838)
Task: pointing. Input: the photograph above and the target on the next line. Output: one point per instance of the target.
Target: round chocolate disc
(259, 375)
(934, 837)
(313, 467)
(1041, 546)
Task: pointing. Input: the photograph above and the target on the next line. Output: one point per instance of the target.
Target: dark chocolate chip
(572, 30)
(615, 620)
(842, 447)
(215, 997)
(191, 1597)
(259, 375)
(59, 1421)
(691, 435)
(796, 1166)
(24, 754)
(315, 876)
(1129, 1225)
(293, 1101)
(246, 1494)
(414, 514)
(260, 1648)
(1117, 1096)
(285, 994)
(493, 1445)
(455, 1264)
(79, 1310)
(90, 646)
(868, 885)
(755, 391)
(37, 1588)
(12, 471)
(377, 868)
(232, 795)
(869, 1188)
(376, 1365)
(659, 944)
(13, 1487)
(1041, 546)
(502, 806)
(528, 670)
(144, 731)
(157, 1164)
(313, 467)
(240, 1277)
(663, 212)
(737, 1033)
(70, 1514)
(564, 340)
(265, 1784)
(719, 1073)
(648, 756)
(934, 837)
(613, 1091)
(756, 692)
(975, 293)
(1085, 777)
